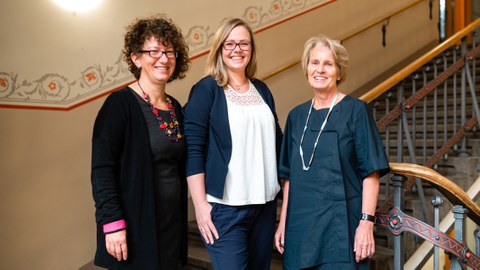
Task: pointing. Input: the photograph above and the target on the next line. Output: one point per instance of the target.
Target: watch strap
(368, 217)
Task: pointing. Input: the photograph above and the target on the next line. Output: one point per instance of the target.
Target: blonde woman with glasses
(233, 138)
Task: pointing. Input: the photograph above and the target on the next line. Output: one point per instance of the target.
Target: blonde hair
(339, 53)
(215, 66)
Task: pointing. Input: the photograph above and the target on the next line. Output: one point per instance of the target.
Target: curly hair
(339, 52)
(164, 30)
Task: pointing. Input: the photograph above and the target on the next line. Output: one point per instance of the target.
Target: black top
(167, 157)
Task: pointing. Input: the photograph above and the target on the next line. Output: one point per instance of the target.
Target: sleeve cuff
(114, 226)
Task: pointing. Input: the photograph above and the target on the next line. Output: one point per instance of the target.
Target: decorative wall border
(54, 91)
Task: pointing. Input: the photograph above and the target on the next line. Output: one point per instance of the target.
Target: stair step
(198, 259)
(382, 259)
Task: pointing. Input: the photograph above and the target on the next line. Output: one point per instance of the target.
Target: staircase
(427, 136)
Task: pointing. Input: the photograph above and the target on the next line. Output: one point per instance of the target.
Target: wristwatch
(368, 217)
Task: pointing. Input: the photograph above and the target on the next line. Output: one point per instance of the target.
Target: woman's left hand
(364, 246)
(116, 244)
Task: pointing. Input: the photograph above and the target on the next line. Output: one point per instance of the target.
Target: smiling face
(322, 71)
(236, 60)
(155, 70)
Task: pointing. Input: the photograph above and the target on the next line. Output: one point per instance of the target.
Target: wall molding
(53, 91)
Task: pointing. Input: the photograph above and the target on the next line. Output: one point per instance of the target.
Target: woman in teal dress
(331, 160)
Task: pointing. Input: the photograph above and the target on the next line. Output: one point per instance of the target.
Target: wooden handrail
(363, 29)
(400, 10)
(449, 189)
(417, 64)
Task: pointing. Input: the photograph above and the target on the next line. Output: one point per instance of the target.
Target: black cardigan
(122, 181)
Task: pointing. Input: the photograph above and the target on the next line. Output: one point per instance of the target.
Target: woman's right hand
(116, 244)
(280, 233)
(280, 238)
(204, 221)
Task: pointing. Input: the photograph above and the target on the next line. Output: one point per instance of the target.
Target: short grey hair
(339, 52)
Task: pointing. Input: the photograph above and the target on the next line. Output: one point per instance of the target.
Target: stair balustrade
(426, 113)
(398, 222)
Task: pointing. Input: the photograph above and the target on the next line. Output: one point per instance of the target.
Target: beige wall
(406, 33)
(45, 199)
(46, 205)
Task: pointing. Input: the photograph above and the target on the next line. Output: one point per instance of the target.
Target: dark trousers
(246, 236)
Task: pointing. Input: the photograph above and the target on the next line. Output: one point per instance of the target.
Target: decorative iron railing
(398, 222)
(425, 112)
(430, 114)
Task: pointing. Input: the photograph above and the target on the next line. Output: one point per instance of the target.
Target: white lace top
(252, 171)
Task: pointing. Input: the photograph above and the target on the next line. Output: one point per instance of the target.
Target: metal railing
(426, 110)
(425, 123)
(397, 222)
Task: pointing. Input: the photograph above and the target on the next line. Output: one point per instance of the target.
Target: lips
(161, 68)
(237, 58)
(319, 78)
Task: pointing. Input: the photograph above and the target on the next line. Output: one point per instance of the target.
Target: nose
(237, 48)
(320, 69)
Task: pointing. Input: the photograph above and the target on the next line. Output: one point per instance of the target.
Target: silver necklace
(238, 86)
(306, 168)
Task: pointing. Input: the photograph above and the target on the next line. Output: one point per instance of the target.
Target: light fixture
(78, 5)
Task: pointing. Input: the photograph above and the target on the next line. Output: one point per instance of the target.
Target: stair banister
(419, 63)
(398, 222)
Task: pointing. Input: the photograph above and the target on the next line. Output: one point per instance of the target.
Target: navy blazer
(207, 132)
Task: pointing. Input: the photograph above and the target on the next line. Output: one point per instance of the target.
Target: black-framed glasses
(230, 45)
(157, 54)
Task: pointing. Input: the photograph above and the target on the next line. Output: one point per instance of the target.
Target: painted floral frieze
(56, 90)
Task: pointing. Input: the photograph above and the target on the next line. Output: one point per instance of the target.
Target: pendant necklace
(172, 129)
(238, 86)
(306, 168)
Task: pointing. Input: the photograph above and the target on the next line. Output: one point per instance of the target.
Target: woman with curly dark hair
(138, 177)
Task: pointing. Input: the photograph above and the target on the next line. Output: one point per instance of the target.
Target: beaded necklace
(172, 129)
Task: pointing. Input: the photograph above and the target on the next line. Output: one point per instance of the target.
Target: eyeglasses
(157, 54)
(230, 45)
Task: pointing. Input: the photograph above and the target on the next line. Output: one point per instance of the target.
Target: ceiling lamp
(78, 5)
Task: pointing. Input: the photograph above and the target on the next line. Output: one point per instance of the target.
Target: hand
(280, 238)
(364, 246)
(280, 233)
(117, 244)
(204, 222)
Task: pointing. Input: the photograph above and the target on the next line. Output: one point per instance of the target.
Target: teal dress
(325, 202)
